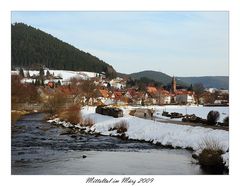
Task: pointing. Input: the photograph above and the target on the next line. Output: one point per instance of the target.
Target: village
(88, 88)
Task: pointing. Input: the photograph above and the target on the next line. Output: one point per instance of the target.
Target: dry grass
(16, 115)
(121, 126)
(87, 122)
(211, 144)
(210, 157)
(71, 114)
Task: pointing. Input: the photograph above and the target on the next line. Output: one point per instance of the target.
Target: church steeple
(174, 85)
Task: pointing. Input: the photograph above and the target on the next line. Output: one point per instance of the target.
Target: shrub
(87, 122)
(210, 157)
(16, 115)
(121, 126)
(213, 117)
(55, 103)
(226, 121)
(71, 114)
(210, 143)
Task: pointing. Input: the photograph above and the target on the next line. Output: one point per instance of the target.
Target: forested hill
(32, 48)
(156, 76)
(206, 81)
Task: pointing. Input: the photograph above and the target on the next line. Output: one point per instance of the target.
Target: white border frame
(138, 5)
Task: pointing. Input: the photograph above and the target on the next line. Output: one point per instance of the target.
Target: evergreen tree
(41, 73)
(28, 74)
(42, 82)
(48, 74)
(59, 83)
(190, 88)
(21, 73)
(29, 44)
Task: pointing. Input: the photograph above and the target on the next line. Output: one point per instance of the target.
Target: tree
(41, 73)
(88, 89)
(198, 88)
(28, 74)
(21, 73)
(29, 44)
(190, 88)
(142, 102)
(55, 102)
(23, 93)
(59, 83)
(48, 74)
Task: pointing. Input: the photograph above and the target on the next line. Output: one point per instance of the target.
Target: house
(102, 93)
(116, 95)
(118, 83)
(184, 97)
(164, 97)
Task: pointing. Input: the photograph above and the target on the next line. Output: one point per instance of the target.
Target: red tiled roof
(117, 95)
(184, 92)
(151, 89)
(104, 93)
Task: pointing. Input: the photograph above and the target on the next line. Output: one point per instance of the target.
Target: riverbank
(41, 148)
(17, 115)
(176, 136)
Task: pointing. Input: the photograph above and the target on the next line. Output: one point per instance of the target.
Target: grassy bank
(17, 115)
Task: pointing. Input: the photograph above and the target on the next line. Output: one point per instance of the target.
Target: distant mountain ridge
(207, 81)
(32, 48)
(157, 76)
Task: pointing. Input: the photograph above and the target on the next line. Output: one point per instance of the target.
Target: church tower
(174, 85)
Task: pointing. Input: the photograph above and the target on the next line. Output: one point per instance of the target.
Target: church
(181, 96)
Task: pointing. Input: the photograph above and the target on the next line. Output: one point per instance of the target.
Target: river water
(42, 148)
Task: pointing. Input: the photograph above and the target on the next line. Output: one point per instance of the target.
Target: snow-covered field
(149, 130)
(199, 111)
(65, 74)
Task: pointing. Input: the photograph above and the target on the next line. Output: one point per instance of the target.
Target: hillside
(33, 48)
(157, 76)
(208, 81)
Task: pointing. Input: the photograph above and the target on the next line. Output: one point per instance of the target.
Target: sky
(176, 43)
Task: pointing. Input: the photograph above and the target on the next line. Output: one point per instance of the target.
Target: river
(40, 148)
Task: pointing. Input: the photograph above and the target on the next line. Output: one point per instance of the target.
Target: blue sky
(176, 43)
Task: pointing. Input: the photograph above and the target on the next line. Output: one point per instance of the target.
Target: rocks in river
(194, 156)
(67, 132)
(84, 156)
(123, 136)
(73, 136)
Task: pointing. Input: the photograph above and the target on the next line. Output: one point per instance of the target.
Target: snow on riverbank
(165, 133)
